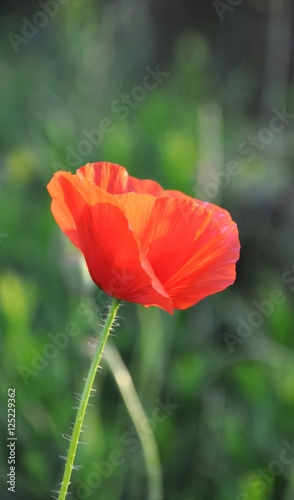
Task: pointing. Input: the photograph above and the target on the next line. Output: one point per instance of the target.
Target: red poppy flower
(141, 243)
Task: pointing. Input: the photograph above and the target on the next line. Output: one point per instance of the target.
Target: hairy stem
(85, 398)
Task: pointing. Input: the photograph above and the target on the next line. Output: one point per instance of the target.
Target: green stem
(140, 420)
(85, 398)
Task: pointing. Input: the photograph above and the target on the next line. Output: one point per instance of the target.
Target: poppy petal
(144, 186)
(60, 210)
(115, 179)
(110, 247)
(142, 243)
(108, 176)
(191, 254)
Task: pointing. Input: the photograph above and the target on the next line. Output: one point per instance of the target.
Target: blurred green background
(217, 124)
